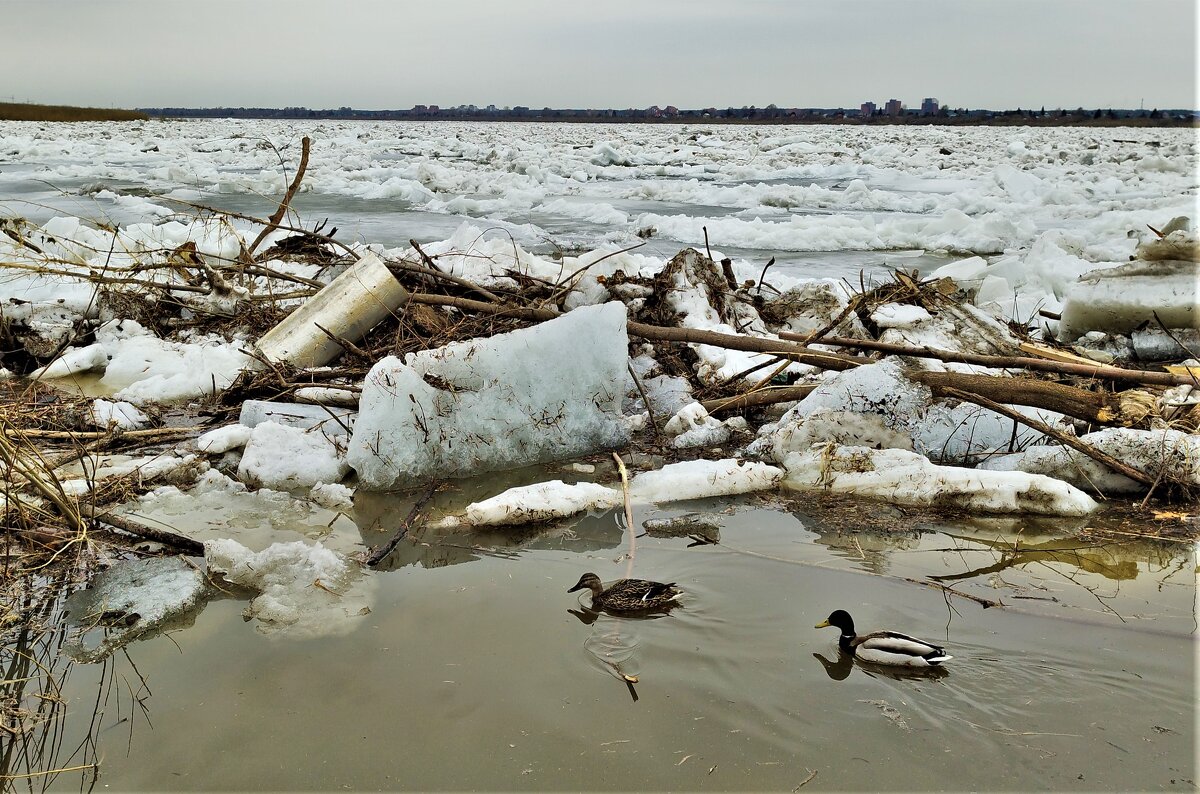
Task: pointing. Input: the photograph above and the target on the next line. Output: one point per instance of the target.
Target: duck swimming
(628, 595)
(884, 647)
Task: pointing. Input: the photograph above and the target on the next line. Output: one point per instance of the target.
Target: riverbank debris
(320, 368)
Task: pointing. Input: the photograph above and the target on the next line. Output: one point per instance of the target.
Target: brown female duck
(628, 595)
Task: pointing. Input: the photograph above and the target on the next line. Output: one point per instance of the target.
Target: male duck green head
(884, 647)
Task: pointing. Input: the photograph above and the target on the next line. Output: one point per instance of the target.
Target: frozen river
(823, 201)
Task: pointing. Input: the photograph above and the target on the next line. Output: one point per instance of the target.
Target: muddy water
(475, 669)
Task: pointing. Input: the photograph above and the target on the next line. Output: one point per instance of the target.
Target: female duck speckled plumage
(884, 647)
(628, 595)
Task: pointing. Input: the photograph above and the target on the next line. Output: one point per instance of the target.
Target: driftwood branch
(151, 434)
(146, 532)
(752, 344)
(414, 515)
(1100, 371)
(637, 382)
(1090, 406)
(274, 221)
(759, 398)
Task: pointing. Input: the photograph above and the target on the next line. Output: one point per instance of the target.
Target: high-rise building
(867, 109)
(929, 107)
(894, 107)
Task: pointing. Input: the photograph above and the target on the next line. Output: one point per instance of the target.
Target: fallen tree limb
(759, 398)
(81, 435)
(659, 333)
(144, 531)
(1097, 407)
(986, 603)
(1057, 435)
(1100, 371)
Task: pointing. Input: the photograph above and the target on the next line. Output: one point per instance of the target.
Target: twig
(567, 281)
(412, 267)
(646, 400)
(346, 344)
(1176, 340)
(429, 263)
(811, 774)
(763, 275)
(850, 307)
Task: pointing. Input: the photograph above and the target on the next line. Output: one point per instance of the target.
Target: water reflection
(380, 516)
(1098, 559)
(33, 708)
(1065, 561)
(840, 668)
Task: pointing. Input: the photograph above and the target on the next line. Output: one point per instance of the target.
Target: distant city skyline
(605, 54)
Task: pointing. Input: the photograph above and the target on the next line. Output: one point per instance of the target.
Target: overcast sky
(599, 53)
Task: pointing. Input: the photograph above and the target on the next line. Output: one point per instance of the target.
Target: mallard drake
(628, 595)
(884, 647)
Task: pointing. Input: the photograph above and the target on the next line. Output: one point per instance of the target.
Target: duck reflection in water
(840, 668)
(587, 616)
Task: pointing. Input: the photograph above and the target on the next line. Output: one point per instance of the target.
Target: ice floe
(903, 477)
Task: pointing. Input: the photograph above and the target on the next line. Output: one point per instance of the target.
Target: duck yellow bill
(821, 625)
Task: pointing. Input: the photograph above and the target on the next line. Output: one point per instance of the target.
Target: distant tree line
(747, 114)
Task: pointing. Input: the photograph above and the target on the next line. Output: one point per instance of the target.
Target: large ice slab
(1122, 298)
(284, 458)
(699, 479)
(543, 393)
(543, 501)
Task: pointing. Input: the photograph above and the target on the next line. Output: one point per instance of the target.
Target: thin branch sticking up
(277, 218)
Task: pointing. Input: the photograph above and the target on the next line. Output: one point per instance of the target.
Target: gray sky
(599, 53)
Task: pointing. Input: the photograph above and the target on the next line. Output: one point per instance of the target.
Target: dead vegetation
(26, 111)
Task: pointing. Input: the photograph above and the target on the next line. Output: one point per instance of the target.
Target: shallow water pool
(475, 669)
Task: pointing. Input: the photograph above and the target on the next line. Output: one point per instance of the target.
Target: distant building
(929, 106)
(894, 107)
(867, 109)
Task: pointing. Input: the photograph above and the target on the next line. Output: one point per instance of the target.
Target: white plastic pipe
(348, 307)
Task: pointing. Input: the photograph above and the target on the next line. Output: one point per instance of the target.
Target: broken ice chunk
(548, 392)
